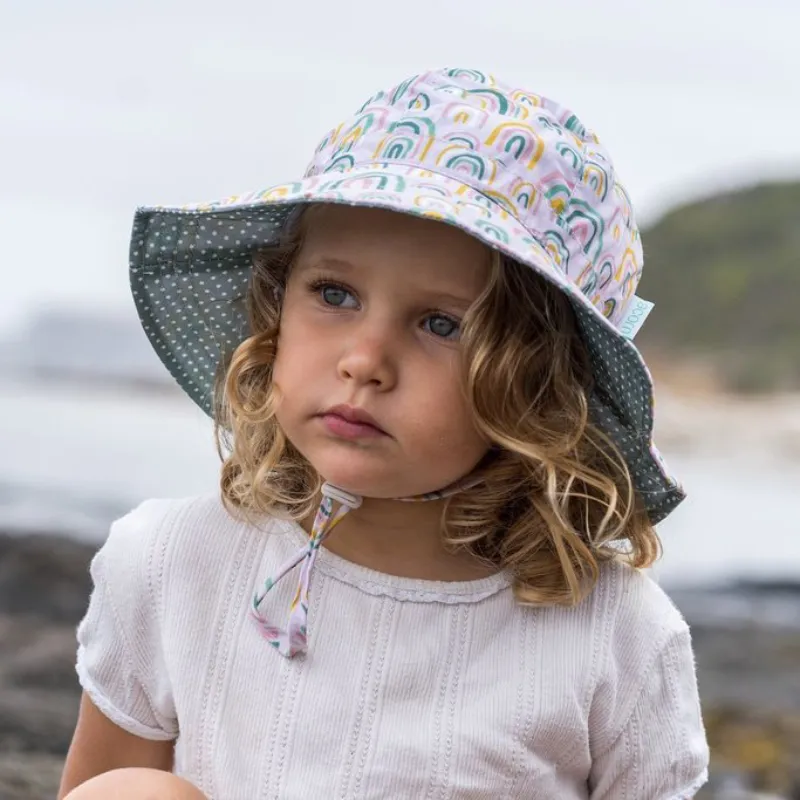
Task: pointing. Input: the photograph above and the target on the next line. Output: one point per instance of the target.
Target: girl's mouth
(351, 423)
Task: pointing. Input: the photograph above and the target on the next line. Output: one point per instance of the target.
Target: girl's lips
(346, 429)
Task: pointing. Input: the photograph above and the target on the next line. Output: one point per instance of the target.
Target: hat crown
(528, 156)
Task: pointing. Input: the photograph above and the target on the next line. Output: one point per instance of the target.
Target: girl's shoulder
(176, 517)
(633, 620)
(620, 629)
(179, 544)
(157, 525)
(642, 647)
(633, 603)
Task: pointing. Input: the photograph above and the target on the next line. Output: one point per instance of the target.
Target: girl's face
(370, 321)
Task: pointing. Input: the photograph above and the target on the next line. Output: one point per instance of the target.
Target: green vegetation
(724, 274)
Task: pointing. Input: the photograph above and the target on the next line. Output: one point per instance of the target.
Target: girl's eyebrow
(325, 263)
(447, 299)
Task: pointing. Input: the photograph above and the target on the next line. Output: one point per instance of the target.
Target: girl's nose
(369, 359)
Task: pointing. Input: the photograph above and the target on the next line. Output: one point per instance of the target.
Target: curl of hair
(556, 498)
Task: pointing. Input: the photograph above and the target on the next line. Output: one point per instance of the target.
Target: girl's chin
(363, 482)
(367, 487)
(360, 487)
(370, 475)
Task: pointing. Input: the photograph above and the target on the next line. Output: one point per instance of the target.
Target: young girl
(423, 576)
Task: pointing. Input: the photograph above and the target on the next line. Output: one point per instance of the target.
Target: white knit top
(410, 689)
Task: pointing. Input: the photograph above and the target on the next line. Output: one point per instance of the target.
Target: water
(76, 459)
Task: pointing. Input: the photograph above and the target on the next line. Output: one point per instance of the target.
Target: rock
(44, 591)
(29, 776)
(45, 576)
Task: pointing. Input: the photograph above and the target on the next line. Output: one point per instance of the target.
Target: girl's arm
(660, 751)
(99, 745)
(127, 716)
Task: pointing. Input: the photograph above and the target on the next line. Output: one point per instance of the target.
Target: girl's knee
(136, 783)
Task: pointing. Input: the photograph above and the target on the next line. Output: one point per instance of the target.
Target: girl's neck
(402, 539)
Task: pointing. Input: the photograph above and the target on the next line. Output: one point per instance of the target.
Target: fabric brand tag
(635, 316)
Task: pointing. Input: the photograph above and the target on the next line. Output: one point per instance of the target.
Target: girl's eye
(444, 327)
(331, 293)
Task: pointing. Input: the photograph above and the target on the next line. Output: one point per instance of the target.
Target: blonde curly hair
(556, 497)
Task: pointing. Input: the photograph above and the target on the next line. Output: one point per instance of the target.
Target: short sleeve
(120, 660)
(661, 752)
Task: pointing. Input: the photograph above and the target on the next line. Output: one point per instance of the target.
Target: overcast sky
(106, 105)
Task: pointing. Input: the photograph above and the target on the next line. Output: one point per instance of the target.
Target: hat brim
(190, 268)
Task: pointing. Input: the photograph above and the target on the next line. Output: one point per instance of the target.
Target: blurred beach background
(106, 106)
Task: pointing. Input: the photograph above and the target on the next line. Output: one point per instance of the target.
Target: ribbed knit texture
(411, 688)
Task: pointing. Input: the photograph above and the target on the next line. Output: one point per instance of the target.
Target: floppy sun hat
(516, 170)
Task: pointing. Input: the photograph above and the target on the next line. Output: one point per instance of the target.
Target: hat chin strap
(335, 504)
